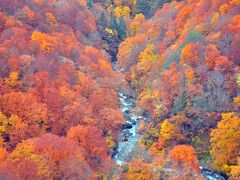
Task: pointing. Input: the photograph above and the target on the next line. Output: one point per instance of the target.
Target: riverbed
(129, 136)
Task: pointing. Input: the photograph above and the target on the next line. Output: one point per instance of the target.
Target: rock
(122, 95)
(114, 151)
(126, 132)
(127, 117)
(132, 101)
(127, 111)
(127, 103)
(134, 122)
(141, 118)
(130, 97)
(126, 135)
(128, 125)
(124, 109)
(124, 139)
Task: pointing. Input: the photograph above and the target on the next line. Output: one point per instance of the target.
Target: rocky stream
(130, 136)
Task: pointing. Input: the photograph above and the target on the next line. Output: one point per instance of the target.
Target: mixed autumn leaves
(59, 108)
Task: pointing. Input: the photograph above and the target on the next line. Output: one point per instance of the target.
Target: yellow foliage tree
(11, 126)
(146, 58)
(215, 18)
(167, 129)
(139, 18)
(189, 74)
(171, 129)
(225, 146)
(46, 42)
(25, 150)
(120, 11)
(126, 11)
(238, 79)
(13, 80)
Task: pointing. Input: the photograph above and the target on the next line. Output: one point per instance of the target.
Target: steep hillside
(184, 66)
(60, 115)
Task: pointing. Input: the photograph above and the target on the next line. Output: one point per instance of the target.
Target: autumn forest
(119, 89)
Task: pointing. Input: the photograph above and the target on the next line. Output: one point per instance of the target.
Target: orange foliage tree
(47, 157)
(184, 156)
(139, 169)
(90, 138)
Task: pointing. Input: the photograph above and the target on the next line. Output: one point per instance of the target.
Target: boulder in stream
(127, 117)
(126, 134)
(127, 125)
(127, 111)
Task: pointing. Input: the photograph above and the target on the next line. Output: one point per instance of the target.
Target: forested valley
(119, 89)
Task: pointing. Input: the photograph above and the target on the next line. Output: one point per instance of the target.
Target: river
(129, 136)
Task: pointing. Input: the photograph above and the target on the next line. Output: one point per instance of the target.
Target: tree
(111, 119)
(122, 31)
(102, 20)
(114, 24)
(90, 138)
(12, 130)
(146, 58)
(90, 4)
(139, 18)
(126, 11)
(26, 113)
(118, 2)
(225, 140)
(45, 41)
(51, 19)
(224, 9)
(184, 156)
(49, 156)
(134, 27)
(13, 80)
(235, 25)
(175, 129)
(118, 11)
(191, 54)
(238, 79)
(144, 7)
(140, 169)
